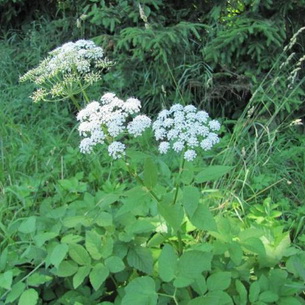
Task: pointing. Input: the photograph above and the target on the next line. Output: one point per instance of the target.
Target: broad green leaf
(28, 225)
(187, 175)
(167, 263)
(212, 298)
(236, 253)
(140, 291)
(66, 268)
(173, 214)
(268, 297)
(150, 173)
(242, 291)
(79, 254)
(254, 245)
(115, 264)
(41, 238)
(254, 292)
(28, 297)
(73, 221)
(98, 275)
(72, 239)
(212, 173)
(200, 285)
(36, 279)
(3, 259)
(80, 275)
(6, 279)
(104, 219)
(191, 196)
(93, 244)
(190, 266)
(203, 219)
(139, 226)
(58, 254)
(141, 259)
(289, 301)
(107, 246)
(219, 281)
(15, 293)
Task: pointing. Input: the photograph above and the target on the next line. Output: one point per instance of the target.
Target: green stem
(140, 180)
(84, 92)
(178, 181)
(75, 102)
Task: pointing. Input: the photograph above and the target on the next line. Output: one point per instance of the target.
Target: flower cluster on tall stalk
(67, 71)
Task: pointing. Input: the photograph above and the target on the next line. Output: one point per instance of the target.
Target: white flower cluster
(105, 121)
(72, 63)
(185, 129)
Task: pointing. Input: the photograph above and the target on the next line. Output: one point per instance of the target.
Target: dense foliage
(227, 228)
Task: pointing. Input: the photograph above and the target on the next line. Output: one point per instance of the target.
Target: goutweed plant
(148, 234)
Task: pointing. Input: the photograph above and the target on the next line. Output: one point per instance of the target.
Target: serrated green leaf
(190, 266)
(173, 214)
(115, 264)
(80, 275)
(66, 268)
(203, 219)
(212, 298)
(167, 263)
(28, 297)
(141, 259)
(150, 173)
(104, 219)
(79, 254)
(139, 226)
(58, 254)
(236, 253)
(98, 275)
(140, 291)
(219, 281)
(191, 196)
(15, 293)
(6, 280)
(93, 244)
(212, 173)
(28, 225)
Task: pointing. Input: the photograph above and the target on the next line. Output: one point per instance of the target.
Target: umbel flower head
(108, 121)
(67, 70)
(185, 129)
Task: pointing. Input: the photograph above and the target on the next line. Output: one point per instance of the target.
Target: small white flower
(190, 155)
(138, 125)
(107, 98)
(206, 144)
(183, 128)
(132, 105)
(160, 134)
(192, 142)
(190, 108)
(176, 107)
(164, 147)
(214, 125)
(163, 114)
(86, 146)
(202, 116)
(213, 137)
(116, 150)
(178, 146)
